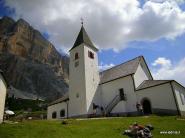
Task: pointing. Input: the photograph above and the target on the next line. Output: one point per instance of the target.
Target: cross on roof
(82, 21)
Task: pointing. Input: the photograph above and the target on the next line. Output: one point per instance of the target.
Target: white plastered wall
(110, 89)
(179, 93)
(84, 80)
(161, 96)
(77, 104)
(57, 108)
(91, 78)
(142, 73)
(2, 97)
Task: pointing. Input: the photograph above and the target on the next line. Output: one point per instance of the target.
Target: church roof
(60, 100)
(151, 83)
(121, 70)
(83, 38)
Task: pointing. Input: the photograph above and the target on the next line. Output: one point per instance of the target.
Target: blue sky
(121, 29)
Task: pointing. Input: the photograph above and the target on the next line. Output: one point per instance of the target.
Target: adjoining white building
(116, 91)
(3, 87)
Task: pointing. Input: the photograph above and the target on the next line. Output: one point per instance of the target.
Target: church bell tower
(83, 75)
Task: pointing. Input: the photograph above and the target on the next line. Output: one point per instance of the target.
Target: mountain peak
(22, 22)
(31, 63)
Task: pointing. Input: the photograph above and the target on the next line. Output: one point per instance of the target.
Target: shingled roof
(150, 83)
(83, 38)
(121, 70)
(60, 100)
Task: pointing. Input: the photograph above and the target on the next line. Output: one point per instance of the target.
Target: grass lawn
(102, 128)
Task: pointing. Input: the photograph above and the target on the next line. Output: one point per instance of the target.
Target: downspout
(67, 103)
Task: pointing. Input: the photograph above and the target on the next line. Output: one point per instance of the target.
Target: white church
(116, 91)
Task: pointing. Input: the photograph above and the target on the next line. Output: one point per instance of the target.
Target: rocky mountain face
(31, 64)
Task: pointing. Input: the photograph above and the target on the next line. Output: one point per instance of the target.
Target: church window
(76, 64)
(77, 95)
(54, 115)
(76, 56)
(122, 94)
(90, 54)
(62, 113)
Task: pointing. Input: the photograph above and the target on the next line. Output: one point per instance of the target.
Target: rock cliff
(30, 62)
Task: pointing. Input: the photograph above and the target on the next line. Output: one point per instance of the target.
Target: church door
(146, 107)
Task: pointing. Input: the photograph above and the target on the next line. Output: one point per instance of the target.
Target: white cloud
(160, 1)
(109, 23)
(167, 70)
(165, 63)
(103, 66)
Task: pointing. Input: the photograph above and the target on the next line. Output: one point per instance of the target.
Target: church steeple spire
(83, 38)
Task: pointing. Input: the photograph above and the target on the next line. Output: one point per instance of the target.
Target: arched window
(54, 115)
(76, 56)
(62, 113)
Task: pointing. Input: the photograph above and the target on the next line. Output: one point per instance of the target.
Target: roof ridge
(122, 63)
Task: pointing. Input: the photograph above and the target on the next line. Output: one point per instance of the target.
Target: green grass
(103, 128)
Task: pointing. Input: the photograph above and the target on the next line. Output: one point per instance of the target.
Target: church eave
(92, 47)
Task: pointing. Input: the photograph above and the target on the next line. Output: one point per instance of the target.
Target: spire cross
(82, 21)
